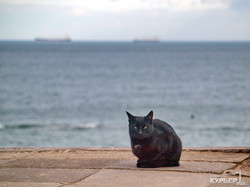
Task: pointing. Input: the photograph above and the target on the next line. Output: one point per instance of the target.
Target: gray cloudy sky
(170, 20)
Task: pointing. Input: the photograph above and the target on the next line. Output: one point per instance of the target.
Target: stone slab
(194, 167)
(58, 163)
(44, 175)
(28, 184)
(135, 178)
(81, 154)
(220, 149)
(12, 155)
(213, 156)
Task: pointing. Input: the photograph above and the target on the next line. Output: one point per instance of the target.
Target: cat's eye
(135, 127)
(145, 127)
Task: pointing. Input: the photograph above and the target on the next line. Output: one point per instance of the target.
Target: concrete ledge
(220, 149)
(58, 149)
(117, 167)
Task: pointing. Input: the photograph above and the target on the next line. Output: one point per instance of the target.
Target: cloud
(126, 19)
(127, 5)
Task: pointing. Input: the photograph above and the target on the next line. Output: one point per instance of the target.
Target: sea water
(76, 94)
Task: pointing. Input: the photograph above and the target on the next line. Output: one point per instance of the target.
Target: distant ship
(42, 39)
(146, 40)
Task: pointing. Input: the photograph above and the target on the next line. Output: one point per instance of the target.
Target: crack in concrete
(238, 164)
(148, 169)
(70, 183)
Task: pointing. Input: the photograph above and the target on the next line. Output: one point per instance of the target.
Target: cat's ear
(150, 116)
(131, 118)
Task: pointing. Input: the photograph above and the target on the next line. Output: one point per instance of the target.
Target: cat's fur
(154, 142)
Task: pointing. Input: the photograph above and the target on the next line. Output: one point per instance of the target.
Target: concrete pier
(55, 167)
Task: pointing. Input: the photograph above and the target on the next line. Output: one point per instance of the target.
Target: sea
(76, 94)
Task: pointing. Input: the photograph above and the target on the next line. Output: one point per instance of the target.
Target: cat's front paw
(137, 148)
(142, 164)
(138, 165)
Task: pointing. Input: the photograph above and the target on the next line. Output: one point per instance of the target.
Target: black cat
(154, 142)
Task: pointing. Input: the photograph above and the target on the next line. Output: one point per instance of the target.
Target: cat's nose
(140, 131)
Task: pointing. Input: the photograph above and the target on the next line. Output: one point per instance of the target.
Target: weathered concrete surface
(214, 156)
(58, 163)
(144, 179)
(44, 175)
(116, 167)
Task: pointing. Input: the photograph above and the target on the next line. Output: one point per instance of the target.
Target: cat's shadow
(131, 164)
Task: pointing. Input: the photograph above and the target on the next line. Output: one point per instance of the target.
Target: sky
(125, 20)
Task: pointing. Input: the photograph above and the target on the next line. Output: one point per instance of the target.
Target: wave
(216, 128)
(83, 126)
(226, 128)
(20, 126)
(58, 126)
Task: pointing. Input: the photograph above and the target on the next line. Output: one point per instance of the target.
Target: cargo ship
(42, 39)
(147, 40)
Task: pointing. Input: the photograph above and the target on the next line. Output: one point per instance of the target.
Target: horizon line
(126, 41)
